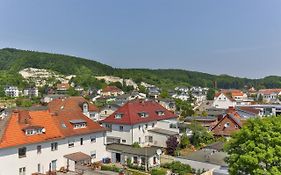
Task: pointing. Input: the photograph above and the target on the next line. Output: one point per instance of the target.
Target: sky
(235, 37)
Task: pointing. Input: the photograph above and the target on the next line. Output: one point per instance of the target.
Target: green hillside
(13, 60)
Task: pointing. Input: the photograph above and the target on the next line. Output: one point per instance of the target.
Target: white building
(41, 141)
(269, 95)
(222, 101)
(31, 92)
(11, 91)
(144, 122)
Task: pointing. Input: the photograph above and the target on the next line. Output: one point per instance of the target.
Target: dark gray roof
(208, 156)
(127, 149)
(163, 132)
(200, 118)
(216, 146)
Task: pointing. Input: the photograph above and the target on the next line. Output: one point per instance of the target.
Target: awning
(79, 156)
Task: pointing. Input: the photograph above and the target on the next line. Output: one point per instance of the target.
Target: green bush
(178, 167)
(158, 171)
(110, 168)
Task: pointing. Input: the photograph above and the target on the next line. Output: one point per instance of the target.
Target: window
(146, 126)
(38, 168)
(39, 149)
(143, 114)
(121, 128)
(160, 113)
(124, 141)
(139, 127)
(81, 141)
(148, 139)
(70, 143)
(22, 171)
(135, 160)
(54, 146)
(109, 126)
(227, 125)
(22, 152)
(153, 124)
(154, 160)
(80, 125)
(93, 139)
(139, 140)
(93, 154)
(143, 160)
(118, 115)
(34, 131)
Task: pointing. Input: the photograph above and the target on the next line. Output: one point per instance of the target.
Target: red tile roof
(111, 89)
(14, 134)
(56, 121)
(67, 109)
(130, 113)
(269, 91)
(63, 86)
(231, 117)
(70, 103)
(63, 120)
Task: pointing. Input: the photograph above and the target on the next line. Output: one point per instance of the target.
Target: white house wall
(10, 162)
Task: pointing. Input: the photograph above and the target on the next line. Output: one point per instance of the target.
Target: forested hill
(14, 60)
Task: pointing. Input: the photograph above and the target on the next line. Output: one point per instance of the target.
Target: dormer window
(34, 130)
(85, 107)
(77, 124)
(143, 114)
(160, 112)
(119, 115)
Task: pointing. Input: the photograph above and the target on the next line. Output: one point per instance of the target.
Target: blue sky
(236, 37)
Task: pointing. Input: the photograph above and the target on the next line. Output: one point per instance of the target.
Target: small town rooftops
(200, 118)
(139, 111)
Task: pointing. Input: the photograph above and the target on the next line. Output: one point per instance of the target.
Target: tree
(72, 92)
(184, 107)
(172, 145)
(211, 94)
(256, 148)
(164, 94)
(184, 141)
(201, 135)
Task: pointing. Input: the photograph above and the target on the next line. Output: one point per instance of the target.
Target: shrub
(158, 171)
(178, 167)
(110, 168)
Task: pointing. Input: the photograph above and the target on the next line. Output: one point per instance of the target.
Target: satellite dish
(159, 152)
(43, 130)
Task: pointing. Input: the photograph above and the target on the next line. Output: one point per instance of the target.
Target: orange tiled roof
(14, 134)
(70, 104)
(269, 91)
(68, 109)
(63, 86)
(111, 89)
